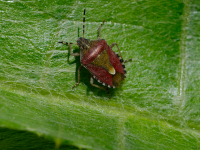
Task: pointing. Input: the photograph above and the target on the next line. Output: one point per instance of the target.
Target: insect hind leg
(99, 29)
(70, 48)
(92, 83)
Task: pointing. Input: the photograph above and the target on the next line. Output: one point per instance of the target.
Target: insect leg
(127, 60)
(113, 44)
(78, 77)
(70, 48)
(100, 30)
(92, 83)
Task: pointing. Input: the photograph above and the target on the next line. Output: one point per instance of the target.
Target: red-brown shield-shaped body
(102, 62)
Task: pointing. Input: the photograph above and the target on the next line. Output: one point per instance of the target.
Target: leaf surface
(158, 105)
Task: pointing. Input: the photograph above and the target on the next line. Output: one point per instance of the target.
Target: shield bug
(100, 60)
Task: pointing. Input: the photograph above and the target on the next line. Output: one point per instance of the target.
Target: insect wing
(100, 74)
(115, 60)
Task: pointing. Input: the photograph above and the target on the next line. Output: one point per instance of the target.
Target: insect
(100, 60)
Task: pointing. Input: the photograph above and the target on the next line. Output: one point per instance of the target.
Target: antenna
(83, 23)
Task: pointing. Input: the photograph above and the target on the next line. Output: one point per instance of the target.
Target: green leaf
(158, 105)
(23, 140)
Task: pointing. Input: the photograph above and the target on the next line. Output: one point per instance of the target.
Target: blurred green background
(157, 107)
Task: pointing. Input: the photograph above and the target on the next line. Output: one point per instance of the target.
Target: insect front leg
(70, 48)
(78, 77)
(92, 83)
(99, 29)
